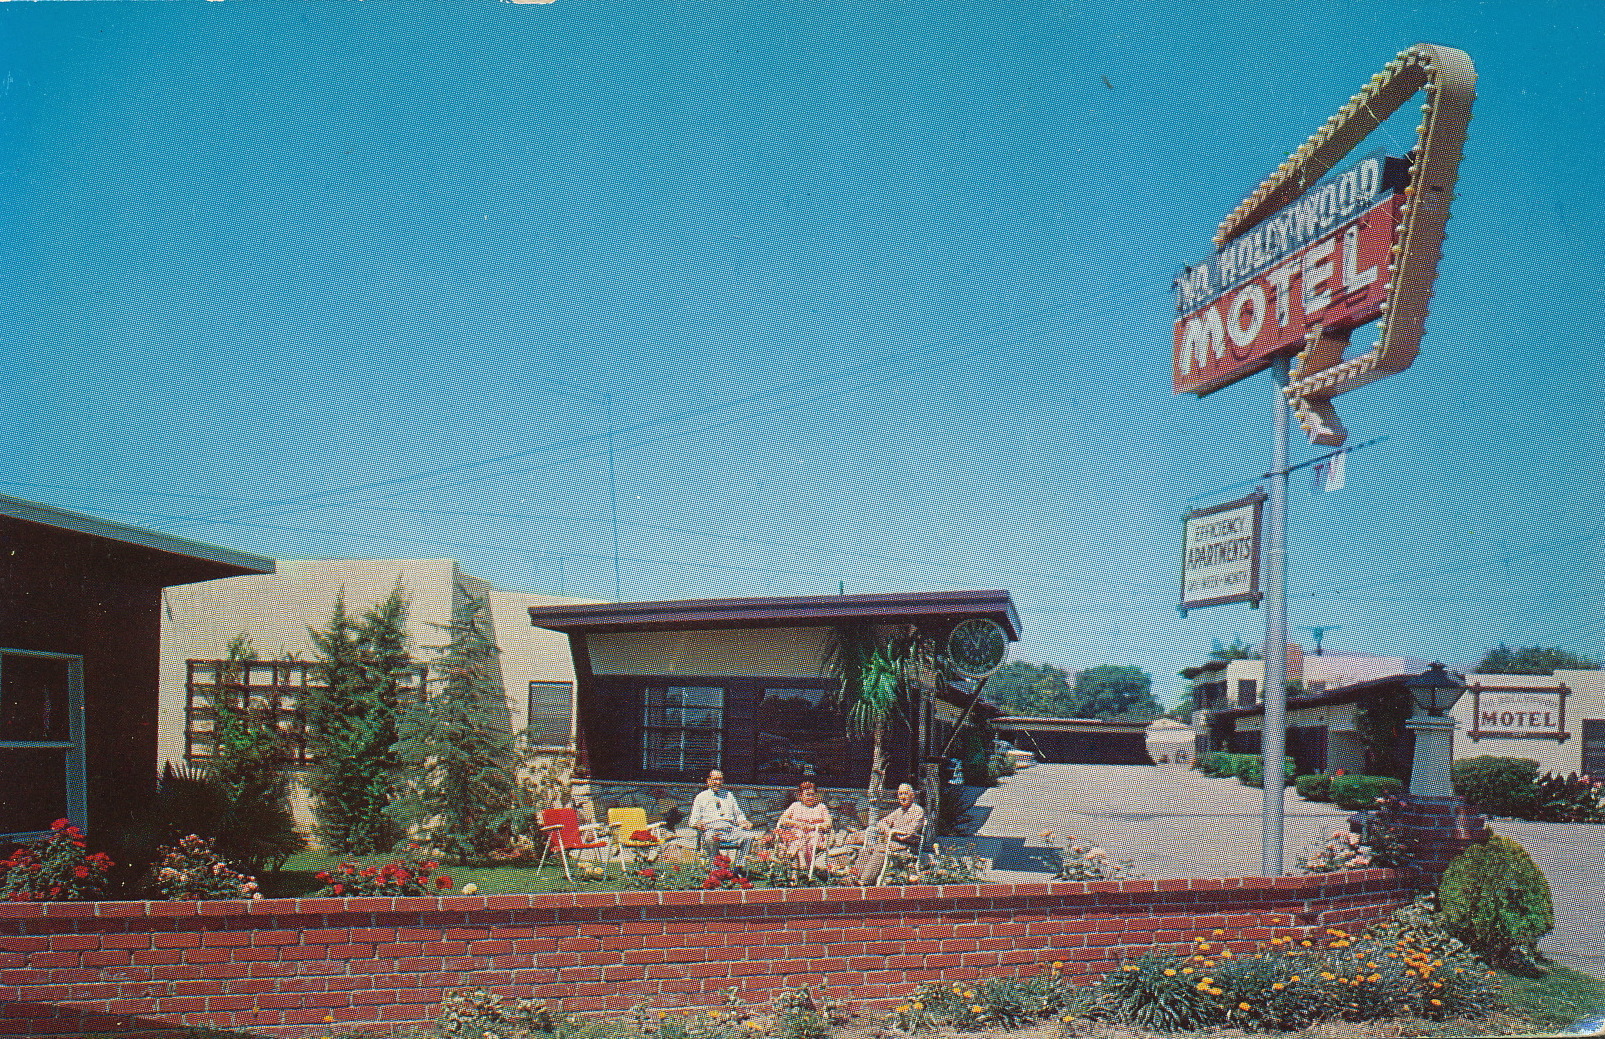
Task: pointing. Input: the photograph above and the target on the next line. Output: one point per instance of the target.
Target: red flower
(443, 882)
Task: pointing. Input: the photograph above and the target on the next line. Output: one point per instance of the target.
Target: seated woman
(897, 830)
(804, 826)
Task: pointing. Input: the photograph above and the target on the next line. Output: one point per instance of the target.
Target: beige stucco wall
(276, 610)
(769, 653)
(1587, 701)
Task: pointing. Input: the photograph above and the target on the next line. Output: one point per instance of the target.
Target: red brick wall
(285, 966)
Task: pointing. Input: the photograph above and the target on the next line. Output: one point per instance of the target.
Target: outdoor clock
(976, 647)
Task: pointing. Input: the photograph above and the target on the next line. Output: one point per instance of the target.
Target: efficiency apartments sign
(1220, 554)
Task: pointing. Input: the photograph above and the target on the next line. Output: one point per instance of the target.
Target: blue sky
(878, 296)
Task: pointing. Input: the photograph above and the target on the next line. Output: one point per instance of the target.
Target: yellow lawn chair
(632, 835)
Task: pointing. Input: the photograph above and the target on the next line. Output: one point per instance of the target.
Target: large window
(1594, 748)
(551, 713)
(682, 728)
(798, 735)
(41, 741)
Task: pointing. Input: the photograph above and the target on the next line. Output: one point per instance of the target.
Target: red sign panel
(1272, 296)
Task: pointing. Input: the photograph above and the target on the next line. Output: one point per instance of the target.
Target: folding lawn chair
(567, 836)
(633, 835)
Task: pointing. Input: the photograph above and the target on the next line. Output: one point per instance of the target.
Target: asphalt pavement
(1172, 821)
(1166, 820)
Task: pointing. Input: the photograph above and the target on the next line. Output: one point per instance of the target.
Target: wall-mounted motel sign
(1220, 554)
(1503, 712)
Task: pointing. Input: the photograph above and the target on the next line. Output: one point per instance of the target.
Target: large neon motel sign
(1299, 268)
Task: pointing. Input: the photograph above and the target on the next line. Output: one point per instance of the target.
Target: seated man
(720, 823)
(898, 829)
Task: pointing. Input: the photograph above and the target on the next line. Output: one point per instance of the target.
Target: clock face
(976, 647)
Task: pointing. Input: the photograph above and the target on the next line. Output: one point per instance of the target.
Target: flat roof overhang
(175, 560)
(920, 608)
(1022, 723)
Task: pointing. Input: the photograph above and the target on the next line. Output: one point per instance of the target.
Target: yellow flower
(1226, 954)
(1169, 973)
(1243, 1006)
(1129, 966)
(917, 1006)
(1278, 986)
(1186, 970)
(1295, 978)
(1328, 976)
(1217, 932)
(974, 1009)
(1437, 1002)
(1305, 943)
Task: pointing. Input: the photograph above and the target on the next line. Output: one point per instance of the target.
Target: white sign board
(1220, 554)
(1513, 713)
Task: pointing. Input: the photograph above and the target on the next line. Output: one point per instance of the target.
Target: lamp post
(1433, 692)
(1435, 824)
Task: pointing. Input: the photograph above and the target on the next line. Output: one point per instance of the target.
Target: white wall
(1586, 702)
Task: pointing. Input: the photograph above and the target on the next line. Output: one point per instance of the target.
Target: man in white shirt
(720, 823)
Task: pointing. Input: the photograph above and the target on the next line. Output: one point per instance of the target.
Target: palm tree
(870, 676)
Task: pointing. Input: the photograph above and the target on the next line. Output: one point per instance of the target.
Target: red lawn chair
(566, 836)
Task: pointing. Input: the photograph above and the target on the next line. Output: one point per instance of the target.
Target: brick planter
(1439, 828)
(285, 966)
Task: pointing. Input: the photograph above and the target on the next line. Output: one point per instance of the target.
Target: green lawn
(1558, 999)
(298, 878)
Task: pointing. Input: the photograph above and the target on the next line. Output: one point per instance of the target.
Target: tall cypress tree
(351, 724)
(459, 761)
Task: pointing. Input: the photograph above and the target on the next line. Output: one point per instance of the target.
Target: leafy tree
(1113, 692)
(1533, 660)
(459, 792)
(249, 752)
(351, 724)
(1024, 688)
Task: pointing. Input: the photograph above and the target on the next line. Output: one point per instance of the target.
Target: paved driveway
(1172, 821)
(1167, 820)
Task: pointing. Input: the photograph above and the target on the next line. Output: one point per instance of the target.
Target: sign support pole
(1273, 727)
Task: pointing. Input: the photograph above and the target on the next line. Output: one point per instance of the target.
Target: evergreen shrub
(1316, 787)
(1498, 786)
(1360, 792)
(1494, 898)
(1254, 774)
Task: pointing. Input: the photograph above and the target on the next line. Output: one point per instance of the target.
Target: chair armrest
(551, 828)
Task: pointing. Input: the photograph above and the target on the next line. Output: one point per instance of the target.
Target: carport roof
(804, 611)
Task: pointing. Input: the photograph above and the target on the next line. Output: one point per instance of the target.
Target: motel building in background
(1349, 714)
